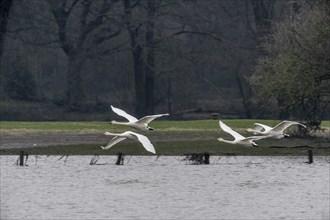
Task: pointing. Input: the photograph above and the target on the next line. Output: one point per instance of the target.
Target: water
(166, 188)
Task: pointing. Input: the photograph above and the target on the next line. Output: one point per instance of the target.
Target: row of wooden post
(203, 158)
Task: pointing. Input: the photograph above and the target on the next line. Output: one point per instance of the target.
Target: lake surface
(165, 188)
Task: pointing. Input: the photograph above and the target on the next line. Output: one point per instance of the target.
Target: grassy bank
(169, 138)
(161, 126)
(173, 148)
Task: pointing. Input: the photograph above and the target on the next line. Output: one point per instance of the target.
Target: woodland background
(72, 59)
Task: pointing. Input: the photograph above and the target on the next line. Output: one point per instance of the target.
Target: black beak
(150, 128)
(286, 135)
(254, 145)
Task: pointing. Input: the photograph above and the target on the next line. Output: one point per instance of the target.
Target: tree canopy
(294, 72)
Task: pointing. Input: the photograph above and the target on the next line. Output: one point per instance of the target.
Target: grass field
(169, 138)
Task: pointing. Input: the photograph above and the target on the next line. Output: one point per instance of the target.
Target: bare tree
(5, 6)
(84, 26)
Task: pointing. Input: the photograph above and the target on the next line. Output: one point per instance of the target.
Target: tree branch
(191, 32)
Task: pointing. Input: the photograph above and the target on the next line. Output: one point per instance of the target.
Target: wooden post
(206, 158)
(120, 159)
(310, 156)
(199, 158)
(21, 158)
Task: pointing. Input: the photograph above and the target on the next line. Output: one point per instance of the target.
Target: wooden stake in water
(206, 158)
(198, 158)
(120, 159)
(310, 156)
(21, 158)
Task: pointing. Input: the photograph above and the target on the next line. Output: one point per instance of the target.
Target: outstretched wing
(260, 127)
(145, 142)
(149, 118)
(122, 113)
(285, 124)
(255, 138)
(113, 141)
(230, 131)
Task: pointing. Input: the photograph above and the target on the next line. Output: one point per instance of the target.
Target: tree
(83, 37)
(81, 28)
(142, 41)
(5, 6)
(296, 62)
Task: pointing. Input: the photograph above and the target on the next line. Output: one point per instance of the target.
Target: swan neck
(226, 141)
(118, 123)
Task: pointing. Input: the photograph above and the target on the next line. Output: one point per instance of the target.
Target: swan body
(239, 139)
(140, 124)
(276, 132)
(130, 135)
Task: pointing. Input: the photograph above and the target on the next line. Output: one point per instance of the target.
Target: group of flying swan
(139, 124)
(276, 132)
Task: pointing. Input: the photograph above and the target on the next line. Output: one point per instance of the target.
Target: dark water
(166, 188)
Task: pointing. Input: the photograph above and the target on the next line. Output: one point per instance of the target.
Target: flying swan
(129, 135)
(239, 139)
(140, 124)
(276, 132)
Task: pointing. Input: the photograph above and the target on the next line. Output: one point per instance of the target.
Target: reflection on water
(165, 188)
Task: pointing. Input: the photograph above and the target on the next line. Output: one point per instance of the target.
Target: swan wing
(145, 142)
(122, 113)
(230, 131)
(285, 124)
(113, 141)
(149, 118)
(259, 127)
(255, 138)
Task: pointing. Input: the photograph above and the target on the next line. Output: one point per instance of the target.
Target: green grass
(204, 132)
(54, 126)
(171, 148)
(74, 126)
(100, 126)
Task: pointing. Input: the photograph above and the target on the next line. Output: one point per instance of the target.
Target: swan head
(286, 135)
(150, 128)
(113, 122)
(220, 139)
(249, 130)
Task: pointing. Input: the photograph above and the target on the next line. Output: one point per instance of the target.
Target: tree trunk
(242, 91)
(263, 13)
(139, 81)
(138, 62)
(75, 94)
(150, 62)
(5, 6)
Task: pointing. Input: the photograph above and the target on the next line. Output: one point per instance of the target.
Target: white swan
(239, 139)
(140, 124)
(275, 132)
(129, 135)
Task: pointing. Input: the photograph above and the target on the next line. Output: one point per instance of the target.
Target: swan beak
(255, 145)
(286, 135)
(150, 128)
